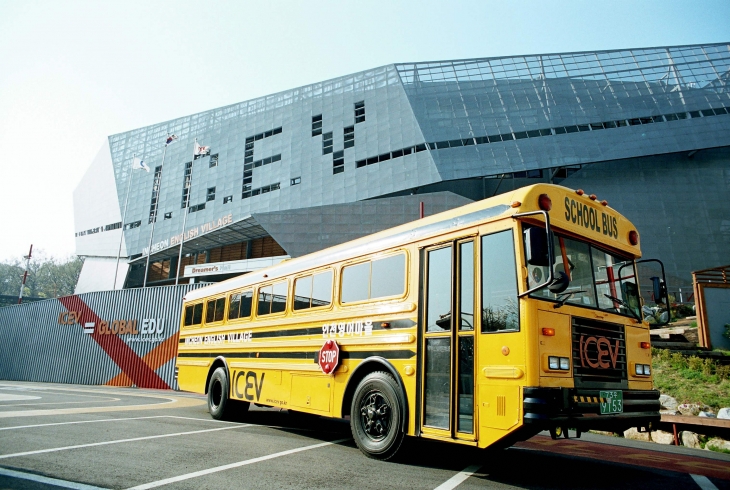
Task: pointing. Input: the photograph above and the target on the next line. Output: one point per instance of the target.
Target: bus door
(447, 340)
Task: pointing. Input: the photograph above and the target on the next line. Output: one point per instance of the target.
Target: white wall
(97, 274)
(96, 205)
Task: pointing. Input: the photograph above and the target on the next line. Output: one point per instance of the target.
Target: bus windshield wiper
(624, 304)
(565, 297)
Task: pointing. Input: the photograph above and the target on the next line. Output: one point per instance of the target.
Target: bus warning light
(633, 237)
(548, 332)
(645, 345)
(544, 202)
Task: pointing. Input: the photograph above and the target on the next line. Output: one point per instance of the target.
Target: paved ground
(100, 437)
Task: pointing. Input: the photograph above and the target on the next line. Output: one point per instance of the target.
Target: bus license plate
(612, 402)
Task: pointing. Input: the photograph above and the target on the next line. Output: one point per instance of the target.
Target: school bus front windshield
(596, 278)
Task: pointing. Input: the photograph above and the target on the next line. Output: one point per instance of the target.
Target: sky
(74, 72)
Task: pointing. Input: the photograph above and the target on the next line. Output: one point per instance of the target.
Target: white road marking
(703, 482)
(459, 478)
(44, 479)
(118, 441)
(224, 467)
(84, 422)
(6, 397)
(123, 418)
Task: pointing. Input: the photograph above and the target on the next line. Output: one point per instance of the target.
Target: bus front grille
(599, 353)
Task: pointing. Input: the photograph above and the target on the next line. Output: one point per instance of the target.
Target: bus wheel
(376, 416)
(219, 405)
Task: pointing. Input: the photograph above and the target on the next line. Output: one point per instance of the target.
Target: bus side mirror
(660, 289)
(536, 247)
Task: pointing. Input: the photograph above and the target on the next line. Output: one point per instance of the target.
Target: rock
(724, 413)
(634, 434)
(689, 408)
(661, 437)
(707, 414)
(690, 439)
(668, 402)
(717, 444)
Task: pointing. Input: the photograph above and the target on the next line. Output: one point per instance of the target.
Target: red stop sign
(329, 356)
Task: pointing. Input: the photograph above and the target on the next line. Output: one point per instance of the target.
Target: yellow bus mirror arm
(550, 277)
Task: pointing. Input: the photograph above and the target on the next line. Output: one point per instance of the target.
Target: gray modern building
(646, 129)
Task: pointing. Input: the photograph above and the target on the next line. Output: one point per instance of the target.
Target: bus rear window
(272, 298)
(193, 314)
(313, 291)
(374, 279)
(214, 310)
(240, 305)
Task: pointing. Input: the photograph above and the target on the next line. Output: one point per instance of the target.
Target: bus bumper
(576, 408)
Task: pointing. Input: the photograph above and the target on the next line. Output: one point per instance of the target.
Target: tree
(48, 277)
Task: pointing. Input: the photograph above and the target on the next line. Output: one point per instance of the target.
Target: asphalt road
(80, 437)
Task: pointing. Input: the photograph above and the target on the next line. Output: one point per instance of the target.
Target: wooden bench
(701, 425)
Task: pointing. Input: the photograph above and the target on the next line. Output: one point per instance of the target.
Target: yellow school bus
(482, 325)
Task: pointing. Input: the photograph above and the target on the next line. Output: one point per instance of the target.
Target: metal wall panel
(41, 341)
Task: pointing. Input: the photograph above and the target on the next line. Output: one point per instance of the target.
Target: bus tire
(220, 406)
(376, 416)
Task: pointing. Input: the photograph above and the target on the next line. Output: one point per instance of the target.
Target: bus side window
(220, 308)
(355, 282)
(272, 298)
(278, 299)
(214, 310)
(303, 293)
(240, 305)
(246, 303)
(388, 276)
(322, 289)
(188, 316)
(198, 314)
(264, 302)
(313, 291)
(374, 279)
(210, 311)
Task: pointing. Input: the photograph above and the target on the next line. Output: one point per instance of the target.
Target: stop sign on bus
(329, 356)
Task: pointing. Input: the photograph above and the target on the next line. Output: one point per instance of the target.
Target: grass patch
(691, 379)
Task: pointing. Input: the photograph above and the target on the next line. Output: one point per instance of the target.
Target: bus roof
(571, 211)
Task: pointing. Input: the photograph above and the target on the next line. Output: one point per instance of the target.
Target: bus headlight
(558, 363)
(643, 370)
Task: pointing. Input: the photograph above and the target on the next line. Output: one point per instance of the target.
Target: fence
(121, 338)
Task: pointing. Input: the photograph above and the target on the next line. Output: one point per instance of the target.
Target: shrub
(695, 363)
(678, 361)
(708, 367)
